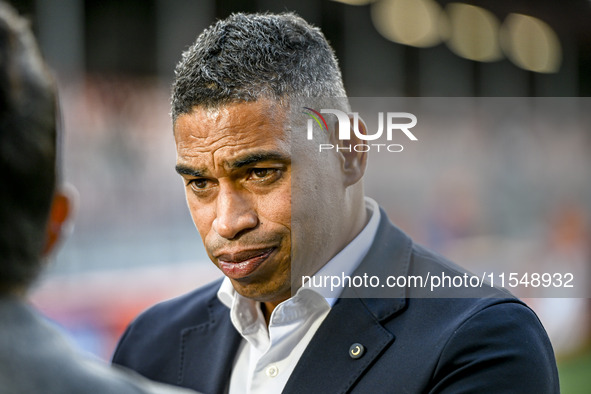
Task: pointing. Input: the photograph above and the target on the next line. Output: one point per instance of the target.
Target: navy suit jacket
(491, 343)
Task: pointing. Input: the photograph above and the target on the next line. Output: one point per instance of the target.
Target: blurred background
(518, 190)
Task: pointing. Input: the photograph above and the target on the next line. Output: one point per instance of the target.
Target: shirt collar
(343, 263)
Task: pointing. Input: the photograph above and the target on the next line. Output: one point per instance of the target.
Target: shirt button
(272, 371)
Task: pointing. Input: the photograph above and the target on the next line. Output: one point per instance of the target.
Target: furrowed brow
(257, 158)
(184, 170)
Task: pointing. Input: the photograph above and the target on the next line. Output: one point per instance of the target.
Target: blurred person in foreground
(34, 357)
(271, 209)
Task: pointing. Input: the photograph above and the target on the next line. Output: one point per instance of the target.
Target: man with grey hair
(271, 210)
(34, 356)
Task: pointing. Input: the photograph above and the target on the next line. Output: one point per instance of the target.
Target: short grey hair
(250, 56)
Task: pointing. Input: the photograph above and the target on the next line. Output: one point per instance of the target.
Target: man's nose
(234, 214)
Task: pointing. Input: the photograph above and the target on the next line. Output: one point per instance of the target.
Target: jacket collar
(208, 350)
(390, 254)
(356, 318)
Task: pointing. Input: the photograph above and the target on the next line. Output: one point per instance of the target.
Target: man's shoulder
(190, 309)
(454, 330)
(193, 305)
(158, 330)
(406, 269)
(443, 278)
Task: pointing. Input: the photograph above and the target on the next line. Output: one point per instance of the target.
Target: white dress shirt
(267, 356)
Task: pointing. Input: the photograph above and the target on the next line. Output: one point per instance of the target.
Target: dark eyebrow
(241, 162)
(184, 170)
(254, 158)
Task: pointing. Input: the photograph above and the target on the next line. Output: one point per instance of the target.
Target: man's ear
(61, 210)
(354, 152)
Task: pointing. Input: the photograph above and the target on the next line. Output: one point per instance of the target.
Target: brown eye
(264, 176)
(198, 184)
(261, 172)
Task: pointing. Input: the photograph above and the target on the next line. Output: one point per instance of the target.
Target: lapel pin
(356, 350)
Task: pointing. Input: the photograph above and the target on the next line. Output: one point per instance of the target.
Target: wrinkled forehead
(233, 128)
(284, 120)
(238, 115)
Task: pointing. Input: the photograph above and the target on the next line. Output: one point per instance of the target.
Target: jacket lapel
(208, 351)
(326, 365)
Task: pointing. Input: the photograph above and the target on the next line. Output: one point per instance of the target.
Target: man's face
(236, 165)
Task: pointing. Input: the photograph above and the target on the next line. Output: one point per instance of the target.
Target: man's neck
(358, 224)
